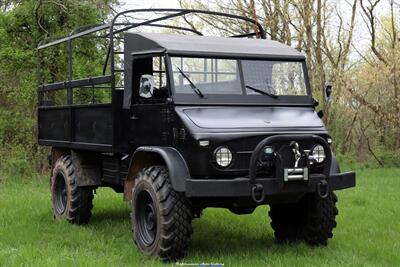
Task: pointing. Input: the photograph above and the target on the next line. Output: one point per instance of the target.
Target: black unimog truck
(198, 122)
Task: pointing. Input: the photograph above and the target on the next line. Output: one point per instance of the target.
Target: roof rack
(110, 110)
(114, 27)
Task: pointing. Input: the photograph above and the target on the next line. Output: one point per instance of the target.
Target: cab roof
(192, 45)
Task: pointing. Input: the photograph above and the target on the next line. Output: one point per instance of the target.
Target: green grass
(368, 231)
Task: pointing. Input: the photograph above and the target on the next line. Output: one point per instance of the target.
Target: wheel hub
(61, 194)
(150, 218)
(146, 218)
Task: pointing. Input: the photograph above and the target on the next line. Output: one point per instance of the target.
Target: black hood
(250, 119)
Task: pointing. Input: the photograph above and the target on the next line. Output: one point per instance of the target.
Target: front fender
(335, 168)
(176, 164)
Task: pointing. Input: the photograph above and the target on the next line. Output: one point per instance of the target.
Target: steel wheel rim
(146, 218)
(60, 188)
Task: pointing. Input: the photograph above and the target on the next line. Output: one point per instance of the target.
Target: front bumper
(241, 187)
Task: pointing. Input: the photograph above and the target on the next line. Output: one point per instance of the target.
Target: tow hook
(257, 193)
(323, 189)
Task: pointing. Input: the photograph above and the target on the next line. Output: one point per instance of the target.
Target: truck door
(149, 111)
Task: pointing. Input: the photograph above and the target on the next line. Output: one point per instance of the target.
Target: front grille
(245, 144)
(243, 148)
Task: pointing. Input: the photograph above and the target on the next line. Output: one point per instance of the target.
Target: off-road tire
(284, 221)
(311, 219)
(154, 198)
(69, 201)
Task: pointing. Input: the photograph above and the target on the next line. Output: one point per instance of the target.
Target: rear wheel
(69, 201)
(161, 217)
(311, 219)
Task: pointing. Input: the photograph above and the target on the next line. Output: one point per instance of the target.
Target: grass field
(368, 232)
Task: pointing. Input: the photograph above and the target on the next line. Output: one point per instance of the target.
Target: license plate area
(295, 174)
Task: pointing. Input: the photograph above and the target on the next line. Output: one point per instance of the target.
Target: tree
(23, 24)
(364, 118)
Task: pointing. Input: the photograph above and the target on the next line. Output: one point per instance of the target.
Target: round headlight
(318, 153)
(223, 156)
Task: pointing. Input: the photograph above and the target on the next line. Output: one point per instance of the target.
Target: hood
(251, 118)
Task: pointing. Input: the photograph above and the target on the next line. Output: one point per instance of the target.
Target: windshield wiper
(192, 85)
(261, 91)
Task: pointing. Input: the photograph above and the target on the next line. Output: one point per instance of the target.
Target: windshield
(238, 77)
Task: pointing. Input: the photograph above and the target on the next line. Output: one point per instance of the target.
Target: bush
(15, 161)
(20, 154)
(347, 162)
(389, 158)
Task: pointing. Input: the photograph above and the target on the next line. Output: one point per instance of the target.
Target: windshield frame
(240, 99)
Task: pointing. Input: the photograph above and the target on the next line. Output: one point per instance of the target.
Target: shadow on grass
(116, 216)
(209, 238)
(212, 239)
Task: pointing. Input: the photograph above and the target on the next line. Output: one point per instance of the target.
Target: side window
(159, 73)
(150, 80)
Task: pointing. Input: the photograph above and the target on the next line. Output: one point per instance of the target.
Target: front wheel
(161, 217)
(311, 219)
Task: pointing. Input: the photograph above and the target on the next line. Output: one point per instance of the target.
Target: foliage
(17, 143)
(23, 24)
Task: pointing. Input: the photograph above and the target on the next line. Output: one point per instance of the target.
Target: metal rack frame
(112, 110)
(87, 30)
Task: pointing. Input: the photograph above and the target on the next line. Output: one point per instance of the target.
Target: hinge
(164, 136)
(166, 115)
(179, 135)
(182, 134)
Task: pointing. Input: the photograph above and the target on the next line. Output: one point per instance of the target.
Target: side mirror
(146, 86)
(315, 102)
(328, 92)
